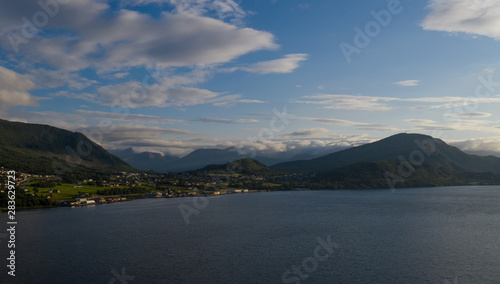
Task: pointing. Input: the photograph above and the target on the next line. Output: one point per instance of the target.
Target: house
(207, 192)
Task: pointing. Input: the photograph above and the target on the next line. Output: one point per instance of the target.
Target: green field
(69, 191)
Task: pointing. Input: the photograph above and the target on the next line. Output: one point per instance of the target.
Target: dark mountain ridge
(37, 148)
(413, 148)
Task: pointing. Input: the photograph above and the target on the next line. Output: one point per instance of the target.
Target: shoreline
(250, 191)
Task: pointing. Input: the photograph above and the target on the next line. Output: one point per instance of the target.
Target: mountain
(387, 174)
(44, 149)
(416, 149)
(146, 160)
(166, 163)
(204, 157)
(244, 166)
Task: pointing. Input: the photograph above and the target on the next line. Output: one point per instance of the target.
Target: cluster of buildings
(92, 201)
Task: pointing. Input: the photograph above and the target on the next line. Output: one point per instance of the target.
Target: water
(426, 235)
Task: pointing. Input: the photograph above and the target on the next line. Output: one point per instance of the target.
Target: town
(56, 191)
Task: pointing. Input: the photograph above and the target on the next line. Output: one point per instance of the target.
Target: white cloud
(452, 102)
(469, 114)
(134, 95)
(58, 78)
(92, 35)
(115, 40)
(456, 124)
(121, 117)
(367, 103)
(420, 121)
(80, 96)
(358, 125)
(227, 121)
(479, 146)
(349, 102)
(477, 17)
(407, 83)
(244, 101)
(14, 89)
(121, 75)
(221, 8)
(289, 148)
(136, 135)
(286, 64)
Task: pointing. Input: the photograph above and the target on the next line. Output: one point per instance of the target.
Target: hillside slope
(44, 149)
(243, 166)
(410, 147)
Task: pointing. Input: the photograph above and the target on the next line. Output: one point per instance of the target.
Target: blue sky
(283, 75)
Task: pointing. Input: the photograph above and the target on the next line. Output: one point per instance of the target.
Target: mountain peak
(402, 146)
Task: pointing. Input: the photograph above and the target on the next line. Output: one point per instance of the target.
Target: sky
(172, 76)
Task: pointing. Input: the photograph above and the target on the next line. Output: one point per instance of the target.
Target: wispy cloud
(471, 17)
(450, 102)
(121, 75)
(309, 132)
(286, 64)
(349, 102)
(407, 83)
(132, 117)
(245, 101)
(368, 103)
(138, 135)
(222, 8)
(469, 115)
(227, 121)
(358, 125)
(420, 121)
(457, 124)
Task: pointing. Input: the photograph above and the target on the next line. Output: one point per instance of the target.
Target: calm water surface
(426, 235)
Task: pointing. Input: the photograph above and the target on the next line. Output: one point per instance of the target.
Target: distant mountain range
(204, 157)
(44, 149)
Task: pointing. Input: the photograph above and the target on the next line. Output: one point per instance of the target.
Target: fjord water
(421, 235)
